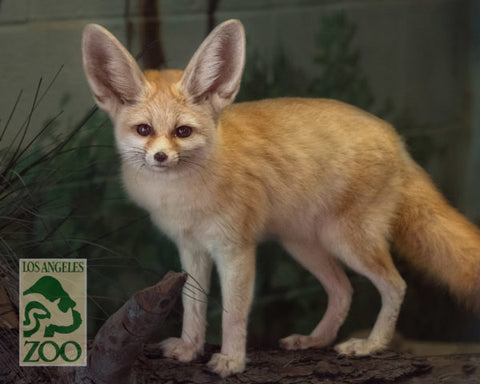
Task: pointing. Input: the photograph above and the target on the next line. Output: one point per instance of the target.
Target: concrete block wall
(413, 53)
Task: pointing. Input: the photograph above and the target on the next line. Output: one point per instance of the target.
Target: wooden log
(122, 337)
(314, 366)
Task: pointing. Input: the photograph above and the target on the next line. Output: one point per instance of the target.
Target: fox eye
(144, 130)
(183, 131)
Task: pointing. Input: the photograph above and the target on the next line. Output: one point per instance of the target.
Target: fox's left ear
(111, 71)
(215, 70)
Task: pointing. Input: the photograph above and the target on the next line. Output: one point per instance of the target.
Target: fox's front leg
(236, 268)
(198, 265)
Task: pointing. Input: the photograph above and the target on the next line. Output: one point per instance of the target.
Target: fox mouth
(159, 167)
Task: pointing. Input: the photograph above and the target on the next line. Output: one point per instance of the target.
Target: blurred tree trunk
(152, 54)
(212, 10)
(151, 35)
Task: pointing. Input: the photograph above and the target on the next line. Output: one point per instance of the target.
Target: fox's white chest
(177, 207)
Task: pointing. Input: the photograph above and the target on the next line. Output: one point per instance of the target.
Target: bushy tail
(437, 239)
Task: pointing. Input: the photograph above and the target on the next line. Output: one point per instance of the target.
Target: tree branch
(120, 340)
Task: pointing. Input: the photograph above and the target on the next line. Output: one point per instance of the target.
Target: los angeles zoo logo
(53, 312)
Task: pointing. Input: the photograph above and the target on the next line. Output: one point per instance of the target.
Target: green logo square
(53, 312)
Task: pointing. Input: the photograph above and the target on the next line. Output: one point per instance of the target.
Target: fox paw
(179, 349)
(226, 365)
(359, 347)
(294, 342)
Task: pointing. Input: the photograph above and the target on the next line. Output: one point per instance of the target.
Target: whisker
(197, 286)
(193, 298)
(194, 288)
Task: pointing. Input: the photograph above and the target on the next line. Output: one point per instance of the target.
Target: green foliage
(338, 76)
(341, 75)
(281, 80)
(60, 196)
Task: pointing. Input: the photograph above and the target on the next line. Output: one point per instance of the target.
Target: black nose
(160, 157)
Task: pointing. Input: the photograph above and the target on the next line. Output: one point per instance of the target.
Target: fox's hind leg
(373, 260)
(330, 273)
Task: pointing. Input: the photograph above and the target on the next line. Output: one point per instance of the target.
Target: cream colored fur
(332, 183)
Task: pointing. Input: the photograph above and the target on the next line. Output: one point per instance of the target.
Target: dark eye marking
(183, 131)
(144, 130)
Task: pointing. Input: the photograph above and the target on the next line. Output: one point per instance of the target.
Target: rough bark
(315, 367)
(283, 367)
(120, 340)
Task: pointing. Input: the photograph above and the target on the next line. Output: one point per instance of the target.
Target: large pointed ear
(113, 74)
(215, 70)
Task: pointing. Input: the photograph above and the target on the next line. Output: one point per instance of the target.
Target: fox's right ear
(113, 74)
(215, 71)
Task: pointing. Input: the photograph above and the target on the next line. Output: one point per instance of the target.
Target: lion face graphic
(50, 309)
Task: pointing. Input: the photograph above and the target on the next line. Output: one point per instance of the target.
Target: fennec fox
(332, 183)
